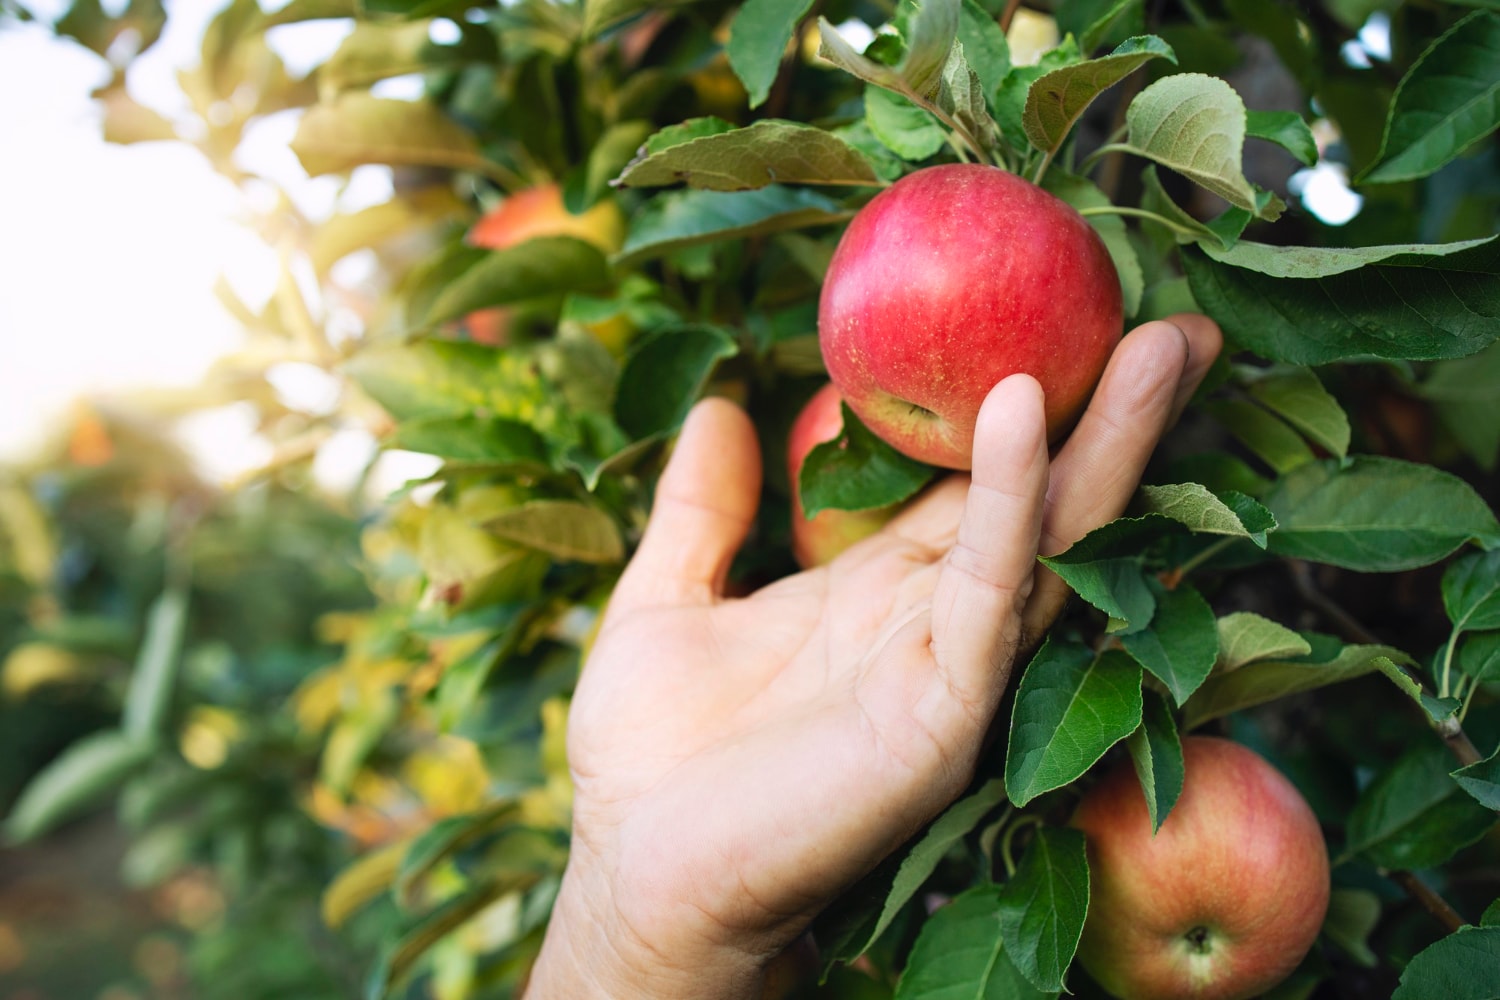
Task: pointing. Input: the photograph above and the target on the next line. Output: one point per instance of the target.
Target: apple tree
(1310, 569)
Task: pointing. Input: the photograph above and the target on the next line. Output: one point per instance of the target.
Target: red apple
(530, 214)
(1227, 897)
(947, 282)
(817, 541)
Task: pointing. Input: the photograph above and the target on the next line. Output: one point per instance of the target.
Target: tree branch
(1430, 900)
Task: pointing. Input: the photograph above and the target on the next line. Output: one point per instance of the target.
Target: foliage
(1347, 444)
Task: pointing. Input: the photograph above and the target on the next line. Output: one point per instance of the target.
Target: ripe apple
(529, 214)
(947, 282)
(1227, 897)
(817, 541)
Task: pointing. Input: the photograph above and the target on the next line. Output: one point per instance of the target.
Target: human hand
(739, 762)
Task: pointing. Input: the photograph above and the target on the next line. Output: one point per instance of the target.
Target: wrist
(591, 950)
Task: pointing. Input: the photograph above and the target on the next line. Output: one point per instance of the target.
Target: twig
(1452, 732)
(1011, 6)
(1450, 729)
(1330, 609)
(1114, 163)
(1430, 900)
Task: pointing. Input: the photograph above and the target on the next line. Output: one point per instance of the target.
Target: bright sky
(109, 253)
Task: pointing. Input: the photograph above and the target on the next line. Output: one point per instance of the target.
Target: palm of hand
(809, 715)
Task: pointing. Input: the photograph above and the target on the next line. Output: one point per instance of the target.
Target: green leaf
(1448, 100)
(1376, 515)
(858, 471)
(1182, 643)
(1465, 393)
(433, 378)
(910, 132)
(1156, 751)
(930, 35)
(474, 439)
(1082, 193)
(83, 774)
(356, 129)
(441, 841)
(1296, 395)
(1461, 966)
(1437, 709)
(1245, 637)
(564, 529)
(1285, 128)
(1352, 916)
(1093, 21)
(1154, 198)
(1195, 125)
(1266, 680)
(1471, 591)
(149, 697)
(1042, 907)
(1482, 780)
(768, 152)
(1193, 505)
(758, 37)
(397, 959)
(601, 14)
(962, 96)
(1413, 815)
(1491, 915)
(1271, 439)
(1070, 708)
(376, 51)
(680, 219)
(1106, 566)
(1479, 656)
(959, 953)
(1058, 99)
(1010, 99)
(1311, 307)
(1468, 256)
(664, 374)
(687, 131)
(547, 265)
(984, 44)
(946, 831)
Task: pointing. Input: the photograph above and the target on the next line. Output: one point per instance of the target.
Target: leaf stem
(1204, 556)
(1140, 213)
(1101, 152)
(1008, 837)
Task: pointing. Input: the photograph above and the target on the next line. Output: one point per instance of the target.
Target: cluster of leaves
(152, 633)
(736, 140)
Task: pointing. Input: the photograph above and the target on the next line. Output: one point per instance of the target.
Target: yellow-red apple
(829, 532)
(1223, 901)
(529, 214)
(947, 282)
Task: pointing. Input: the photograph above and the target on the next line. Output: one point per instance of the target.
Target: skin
(818, 541)
(740, 762)
(947, 282)
(1223, 901)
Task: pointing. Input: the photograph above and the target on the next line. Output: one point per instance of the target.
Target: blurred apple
(819, 540)
(527, 215)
